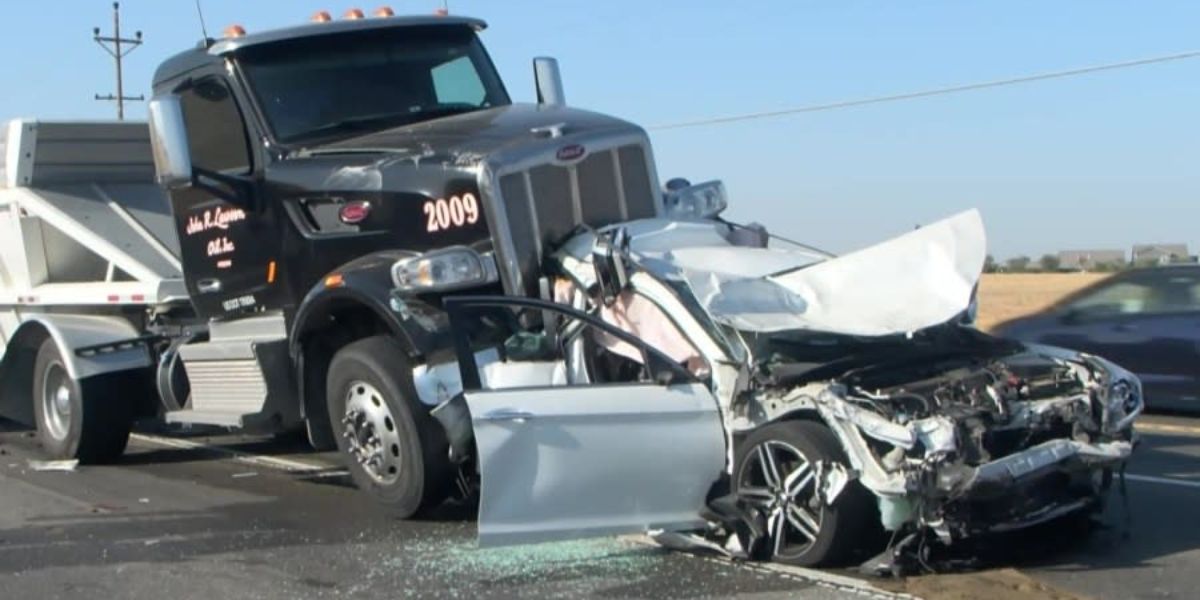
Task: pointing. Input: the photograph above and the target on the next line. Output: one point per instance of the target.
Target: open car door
(588, 458)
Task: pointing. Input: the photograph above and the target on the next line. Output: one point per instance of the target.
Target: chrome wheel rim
(56, 401)
(781, 482)
(371, 433)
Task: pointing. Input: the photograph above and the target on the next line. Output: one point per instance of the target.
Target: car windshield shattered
(339, 86)
(795, 403)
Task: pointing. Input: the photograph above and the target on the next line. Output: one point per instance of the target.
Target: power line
(926, 93)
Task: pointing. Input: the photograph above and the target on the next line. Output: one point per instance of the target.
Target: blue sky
(1102, 160)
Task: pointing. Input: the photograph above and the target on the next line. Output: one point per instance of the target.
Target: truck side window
(216, 133)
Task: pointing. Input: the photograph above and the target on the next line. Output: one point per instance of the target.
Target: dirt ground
(1001, 584)
(1003, 296)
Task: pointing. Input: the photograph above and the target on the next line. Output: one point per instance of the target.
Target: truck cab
(329, 185)
(314, 146)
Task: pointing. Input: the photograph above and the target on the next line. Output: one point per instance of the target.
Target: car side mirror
(169, 141)
(700, 201)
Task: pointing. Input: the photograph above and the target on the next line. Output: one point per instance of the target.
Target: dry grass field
(1003, 296)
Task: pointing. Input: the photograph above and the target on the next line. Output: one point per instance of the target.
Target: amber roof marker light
(321, 16)
(384, 12)
(354, 14)
(234, 31)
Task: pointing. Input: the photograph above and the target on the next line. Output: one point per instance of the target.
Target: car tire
(815, 534)
(396, 451)
(88, 421)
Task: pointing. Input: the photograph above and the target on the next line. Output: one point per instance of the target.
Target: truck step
(209, 417)
(240, 377)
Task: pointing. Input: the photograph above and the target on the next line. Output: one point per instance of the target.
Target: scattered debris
(54, 465)
(692, 543)
(560, 560)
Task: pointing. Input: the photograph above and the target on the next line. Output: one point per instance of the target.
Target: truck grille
(544, 204)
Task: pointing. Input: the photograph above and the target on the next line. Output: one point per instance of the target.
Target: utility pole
(113, 45)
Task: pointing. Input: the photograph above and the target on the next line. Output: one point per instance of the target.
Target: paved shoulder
(204, 524)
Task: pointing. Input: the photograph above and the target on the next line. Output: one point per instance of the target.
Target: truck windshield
(328, 87)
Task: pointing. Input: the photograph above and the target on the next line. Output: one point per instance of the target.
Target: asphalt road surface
(240, 518)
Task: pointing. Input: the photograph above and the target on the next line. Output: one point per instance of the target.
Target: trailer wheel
(776, 473)
(397, 452)
(88, 420)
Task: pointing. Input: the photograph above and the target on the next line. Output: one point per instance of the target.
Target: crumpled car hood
(917, 280)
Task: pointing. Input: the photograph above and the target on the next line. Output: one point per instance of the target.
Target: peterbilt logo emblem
(571, 153)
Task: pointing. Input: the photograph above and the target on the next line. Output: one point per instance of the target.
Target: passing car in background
(1146, 320)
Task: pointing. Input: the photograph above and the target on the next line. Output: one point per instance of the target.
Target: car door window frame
(459, 309)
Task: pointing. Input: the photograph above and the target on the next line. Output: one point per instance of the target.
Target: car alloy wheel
(782, 483)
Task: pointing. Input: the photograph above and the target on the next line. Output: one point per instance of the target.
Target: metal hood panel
(481, 132)
(918, 280)
(912, 282)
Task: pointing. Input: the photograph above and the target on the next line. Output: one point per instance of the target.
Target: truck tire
(814, 534)
(397, 452)
(88, 420)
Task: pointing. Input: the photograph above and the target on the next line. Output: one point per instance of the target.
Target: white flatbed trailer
(88, 249)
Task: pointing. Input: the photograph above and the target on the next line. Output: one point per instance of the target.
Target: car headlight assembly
(1124, 397)
(444, 270)
(1124, 405)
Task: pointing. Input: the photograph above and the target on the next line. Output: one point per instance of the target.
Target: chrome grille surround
(533, 200)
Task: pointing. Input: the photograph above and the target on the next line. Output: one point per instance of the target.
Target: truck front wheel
(86, 420)
(397, 452)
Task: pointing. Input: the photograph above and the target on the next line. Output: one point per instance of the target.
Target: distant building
(1090, 260)
(1160, 254)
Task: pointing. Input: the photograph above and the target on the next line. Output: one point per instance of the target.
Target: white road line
(1167, 428)
(1162, 480)
(148, 541)
(820, 578)
(269, 462)
(37, 489)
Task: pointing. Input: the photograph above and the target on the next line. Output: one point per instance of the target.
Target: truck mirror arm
(234, 189)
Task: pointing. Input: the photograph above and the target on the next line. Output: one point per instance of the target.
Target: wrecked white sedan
(682, 377)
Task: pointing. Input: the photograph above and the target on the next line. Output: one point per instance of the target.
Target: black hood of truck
(419, 183)
(422, 157)
(463, 139)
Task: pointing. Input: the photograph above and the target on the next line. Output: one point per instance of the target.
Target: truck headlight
(700, 201)
(444, 270)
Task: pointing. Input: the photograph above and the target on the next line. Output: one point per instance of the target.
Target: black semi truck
(272, 254)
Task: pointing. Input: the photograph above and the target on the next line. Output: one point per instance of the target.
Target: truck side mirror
(549, 82)
(168, 137)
